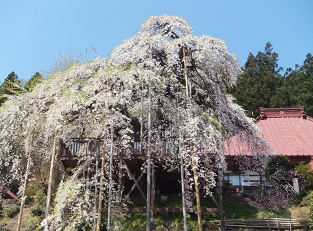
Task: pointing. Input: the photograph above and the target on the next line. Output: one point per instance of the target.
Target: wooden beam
(135, 182)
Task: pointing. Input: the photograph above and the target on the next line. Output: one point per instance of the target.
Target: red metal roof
(288, 131)
(7, 194)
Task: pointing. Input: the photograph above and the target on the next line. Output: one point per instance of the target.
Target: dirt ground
(27, 224)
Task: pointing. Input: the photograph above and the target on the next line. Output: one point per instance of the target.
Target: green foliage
(297, 198)
(276, 164)
(40, 203)
(12, 212)
(273, 213)
(306, 173)
(258, 82)
(299, 85)
(234, 209)
(135, 222)
(261, 85)
(35, 79)
(10, 86)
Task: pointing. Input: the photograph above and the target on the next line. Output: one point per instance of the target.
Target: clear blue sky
(35, 32)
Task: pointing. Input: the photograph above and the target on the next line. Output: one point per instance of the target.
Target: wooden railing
(76, 145)
(261, 224)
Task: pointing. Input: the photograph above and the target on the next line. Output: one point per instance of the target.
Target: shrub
(306, 173)
(12, 212)
(277, 164)
(37, 211)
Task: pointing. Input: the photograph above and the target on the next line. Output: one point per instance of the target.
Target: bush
(275, 165)
(40, 203)
(296, 199)
(12, 212)
(306, 173)
(37, 211)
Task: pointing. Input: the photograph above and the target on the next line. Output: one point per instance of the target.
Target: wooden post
(194, 164)
(102, 176)
(110, 179)
(96, 189)
(152, 191)
(57, 175)
(50, 179)
(186, 74)
(19, 222)
(149, 162)
(195, 175)
(221, 199)
(182, 175)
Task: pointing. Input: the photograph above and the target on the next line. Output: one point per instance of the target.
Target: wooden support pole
(19, 222)
(50, 179)
(194, 164)
(102, 176)
(152, 191)
(57, 175)
(195, 175)
(149, 161)
(182, 175)
(221, 200)
(110, 179)
(186, 74)
(96, 189)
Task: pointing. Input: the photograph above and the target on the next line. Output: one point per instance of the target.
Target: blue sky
(35, 32)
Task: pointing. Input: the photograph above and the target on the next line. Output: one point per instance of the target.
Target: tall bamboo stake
(25, 181)
(50, 179)
(110, 179)
(182, 175)
(141, 125)
(149, 163)
(194, 164)
(96, 190)
(102, 176)
(221, 199)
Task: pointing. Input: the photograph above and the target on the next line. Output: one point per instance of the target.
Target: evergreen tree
(299, 85)
(37, 78)
(258, 82)
(10, 86)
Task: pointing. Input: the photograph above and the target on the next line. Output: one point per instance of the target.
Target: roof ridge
(281, 113)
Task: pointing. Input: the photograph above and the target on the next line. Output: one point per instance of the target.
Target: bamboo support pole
(19, 222)
(182, 175)
(195, 175)
(102, 176)
(221, 200)
(152, 192)
(194, 164)
(50, 178)
(148, 224)
(110, 179)
(96, 190)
